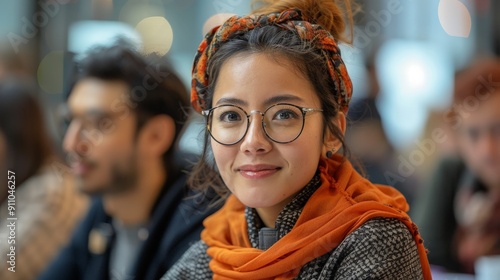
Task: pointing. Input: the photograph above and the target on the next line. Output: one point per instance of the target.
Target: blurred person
(438, 132)
(126, 113)
(459, 214)
(44, 204)
(274, 90)
(378, 157)
(12, 63)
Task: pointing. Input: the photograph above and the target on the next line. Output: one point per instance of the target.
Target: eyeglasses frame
(304, 111)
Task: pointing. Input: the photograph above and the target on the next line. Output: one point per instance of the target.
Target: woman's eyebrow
(231, 100)
(268, 102)
(281, 98)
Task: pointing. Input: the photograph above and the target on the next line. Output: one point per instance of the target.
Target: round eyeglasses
(282, 123)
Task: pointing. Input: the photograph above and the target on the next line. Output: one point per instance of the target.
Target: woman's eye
(230, 117)
(285, 115)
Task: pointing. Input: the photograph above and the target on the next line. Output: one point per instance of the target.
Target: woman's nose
(256, 140)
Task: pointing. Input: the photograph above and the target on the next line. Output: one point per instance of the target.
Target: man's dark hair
(154, 88)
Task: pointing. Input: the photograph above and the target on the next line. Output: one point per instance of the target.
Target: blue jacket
(176, 222)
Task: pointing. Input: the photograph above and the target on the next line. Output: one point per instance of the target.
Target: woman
(44, 205)
(275, 91)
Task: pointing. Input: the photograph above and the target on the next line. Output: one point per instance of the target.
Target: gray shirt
(128, 242)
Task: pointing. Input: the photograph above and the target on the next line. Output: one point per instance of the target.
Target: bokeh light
(50, 72)
(215, 20)
(416, 78)
(156, 33)
(415, 75)
(454, 18)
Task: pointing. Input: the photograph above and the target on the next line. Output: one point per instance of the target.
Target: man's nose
(73, 141)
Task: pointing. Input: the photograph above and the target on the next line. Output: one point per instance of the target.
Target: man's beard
(124, 177)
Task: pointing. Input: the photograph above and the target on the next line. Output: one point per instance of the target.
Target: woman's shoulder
(389, 231)
(380, 248)
(192, 265)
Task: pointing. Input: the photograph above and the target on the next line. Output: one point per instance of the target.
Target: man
(126, 113)
(458, 217)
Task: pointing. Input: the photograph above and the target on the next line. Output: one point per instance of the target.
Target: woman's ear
(331, 142)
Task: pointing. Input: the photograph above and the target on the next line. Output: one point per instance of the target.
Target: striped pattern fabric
(48, 207)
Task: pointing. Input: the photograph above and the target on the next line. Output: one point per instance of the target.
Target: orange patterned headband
(290, 19)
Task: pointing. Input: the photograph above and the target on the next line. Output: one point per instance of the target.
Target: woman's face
(259, 172)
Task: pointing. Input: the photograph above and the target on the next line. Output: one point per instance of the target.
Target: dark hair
(469, 84)
(154, 87)
(469, 81)
(281, 45)
(22, 126)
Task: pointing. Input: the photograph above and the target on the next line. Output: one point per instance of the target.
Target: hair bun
(330, 14)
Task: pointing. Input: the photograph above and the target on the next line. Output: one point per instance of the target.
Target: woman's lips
(258, 171)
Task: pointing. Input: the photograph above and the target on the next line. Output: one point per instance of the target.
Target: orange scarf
(343, 202)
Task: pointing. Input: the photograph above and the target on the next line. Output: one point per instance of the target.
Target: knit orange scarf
(342, 203)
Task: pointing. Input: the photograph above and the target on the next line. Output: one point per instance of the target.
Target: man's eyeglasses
(282, 123)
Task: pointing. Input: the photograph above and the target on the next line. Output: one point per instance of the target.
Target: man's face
(101, 137)
(479, 140)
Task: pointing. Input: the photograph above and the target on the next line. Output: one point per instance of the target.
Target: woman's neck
(269, 215)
